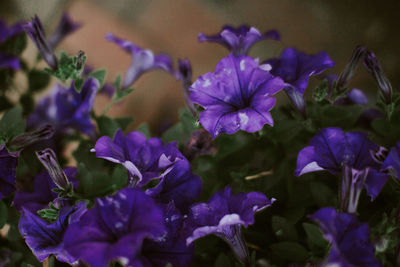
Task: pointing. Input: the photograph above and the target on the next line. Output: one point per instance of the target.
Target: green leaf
(222, 261)
(12, 124)
(283, 229)
(78, 83)
(321, 91)
(290, 251)
(89, 159)
(314, 235)
(27, 102)
(108, 126)
(119, 92)
(5, 103)
(37, 80)
(14, 45)
(124, 122)
(322, 194)
(144, 129)
(69, 67)
(3, 214)
(100, 75)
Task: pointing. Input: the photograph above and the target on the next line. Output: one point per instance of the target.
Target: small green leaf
(12, 124)
(283, 230)
(107, 126)
(124, 122)
(321, 91)
(290, 251)
(100, 75)
(69, 67)
(144, 129)
(78, 83)
(38, 80)
(14, 45)
(314, 235)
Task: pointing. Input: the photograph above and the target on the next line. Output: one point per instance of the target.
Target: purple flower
(8, 165)
(8, 32)
(35, 31)
(172, 248)
(114, 229)
(238, 95)
(42, 193)
(352, 155)
(179, 185)
(67, 110)
(239, 40)
(9, 61)
(224, 215)
(143, 60)
(145, 159)
(350, 245)
(64, 28)
(392, 161)
(295, 68)
(353, 97)
(45, 238)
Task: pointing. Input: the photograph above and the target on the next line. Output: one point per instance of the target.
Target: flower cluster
(129, 198)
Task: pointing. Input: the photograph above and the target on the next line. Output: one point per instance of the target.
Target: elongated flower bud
(29, 138)
(348, 72)
(185, 75)
(372, 65)
(35, 31)
(49, 161)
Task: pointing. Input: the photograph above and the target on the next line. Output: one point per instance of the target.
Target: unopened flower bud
(348, 72)
(49, 161)
(29, 138)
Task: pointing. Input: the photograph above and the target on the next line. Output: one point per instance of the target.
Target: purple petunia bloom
(35, 31)
(143, 60)
(392, 161)
(295, 68)
(9, 61)
(145, 159)
(352, 155)
(224, 215)
(45, 238)
(350, 245)
(237, 96)
(66, 109)
(8, 165)
(178, 184)
(42, 193)
(172, 248)
(239, 40)
(114, 229)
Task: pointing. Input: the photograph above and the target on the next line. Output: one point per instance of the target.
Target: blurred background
(171, 26)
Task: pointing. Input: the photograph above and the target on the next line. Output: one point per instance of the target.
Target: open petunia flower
(350, 154)
(7, 60)
(45, 239)
(350, 245)
(143, 60)
(114, 229)
(66, 109)
(392, 161)
(8, 165)
(179, 185)
(42, 193)
(237, 96)
(223, 216)
(295, 68)
(239, 40)
(145, 159)
(170, 249)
